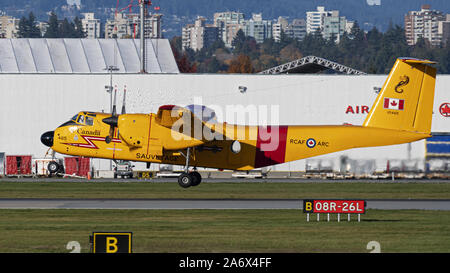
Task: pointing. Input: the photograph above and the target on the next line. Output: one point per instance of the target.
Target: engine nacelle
(133, 128)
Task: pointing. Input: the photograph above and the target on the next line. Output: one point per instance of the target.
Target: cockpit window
(80, 119)
(89, 121)
(206, 114)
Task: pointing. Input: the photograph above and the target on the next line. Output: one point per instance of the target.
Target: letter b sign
(111, 245)
(111, 242)
(308, 206)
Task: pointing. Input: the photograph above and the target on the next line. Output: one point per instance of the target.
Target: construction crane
(144, 7)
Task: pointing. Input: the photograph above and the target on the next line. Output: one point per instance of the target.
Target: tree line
(372, 52)
(56, 28)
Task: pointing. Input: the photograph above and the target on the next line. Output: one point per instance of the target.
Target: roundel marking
(311, 143)
(444, 109)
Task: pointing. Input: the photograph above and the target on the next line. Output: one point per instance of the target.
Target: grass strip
(195, 231)
(228, 190)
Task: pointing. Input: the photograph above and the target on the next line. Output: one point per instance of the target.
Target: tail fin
(406, 100)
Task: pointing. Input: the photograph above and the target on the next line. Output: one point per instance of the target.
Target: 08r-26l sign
(334, 206)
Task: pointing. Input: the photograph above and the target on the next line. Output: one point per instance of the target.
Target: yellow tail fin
(406, 100)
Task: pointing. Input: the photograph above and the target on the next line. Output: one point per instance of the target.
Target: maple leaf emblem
(444, 109)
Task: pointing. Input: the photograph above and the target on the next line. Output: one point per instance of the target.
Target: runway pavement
(223, 180)
(382, 204)
(391, 204)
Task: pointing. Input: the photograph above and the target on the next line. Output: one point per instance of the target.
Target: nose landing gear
(188, 179)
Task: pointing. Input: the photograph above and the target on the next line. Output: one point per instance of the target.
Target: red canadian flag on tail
(394, 104)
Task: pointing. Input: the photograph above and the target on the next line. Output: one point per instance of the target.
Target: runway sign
(111, 242)
(338, 207)
(146, 174)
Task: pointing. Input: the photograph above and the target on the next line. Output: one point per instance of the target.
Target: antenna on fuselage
(124, 97)
(114, 111)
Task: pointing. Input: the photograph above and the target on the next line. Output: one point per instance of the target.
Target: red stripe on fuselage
(90, 144)
(270, 145)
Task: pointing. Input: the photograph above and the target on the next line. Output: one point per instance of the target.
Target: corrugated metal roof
(84, 56)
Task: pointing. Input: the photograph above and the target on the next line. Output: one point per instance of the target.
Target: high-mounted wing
(193, 121)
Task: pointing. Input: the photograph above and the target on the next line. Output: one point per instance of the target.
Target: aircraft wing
(195, 123)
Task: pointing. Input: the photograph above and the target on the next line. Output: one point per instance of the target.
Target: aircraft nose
(47, 138)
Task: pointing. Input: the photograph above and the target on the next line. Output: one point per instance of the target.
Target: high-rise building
(315, 19)
(423, 24)
(278, 27)
(258, 28)
(297, 30)
(334, 26)
(329, 23)
(127, 26)
(154, 28)
(228, 24)
(199, 35)
(91, 26)
(444, 30)
(9, 27)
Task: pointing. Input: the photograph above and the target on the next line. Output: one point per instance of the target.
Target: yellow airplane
(191, 136)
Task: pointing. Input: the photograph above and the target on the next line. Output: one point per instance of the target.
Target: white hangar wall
(31, 104)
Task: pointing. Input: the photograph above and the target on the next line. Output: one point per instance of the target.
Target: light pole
(109, 89)
(143, 13)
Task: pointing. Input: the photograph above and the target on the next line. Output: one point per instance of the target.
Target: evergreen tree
(285, 40)
(53, 26)
(372, 52)
(23, 28)
(238, 41)
(28, 28)
(66, 29)
(78, 31)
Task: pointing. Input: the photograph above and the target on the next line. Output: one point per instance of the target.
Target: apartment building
(315, 19)
(228, 24)
(128, 26)
(444, 30)
(91, 26)
(295, 30)
(258, 28)
(9, 26)
(424, 24)
(334, 26)
(198, 35)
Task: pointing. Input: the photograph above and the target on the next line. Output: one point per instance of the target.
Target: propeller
(112, 121)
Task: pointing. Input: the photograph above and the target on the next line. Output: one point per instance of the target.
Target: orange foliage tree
(241, 64)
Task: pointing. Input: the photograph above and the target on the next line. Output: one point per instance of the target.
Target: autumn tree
(242, 64)
(290, 53)
(182, 59)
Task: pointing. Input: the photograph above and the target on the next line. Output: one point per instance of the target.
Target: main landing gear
(187, 179)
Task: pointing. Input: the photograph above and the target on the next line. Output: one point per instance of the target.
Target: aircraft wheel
(185, 180)
(197, 178)
(52, 167)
